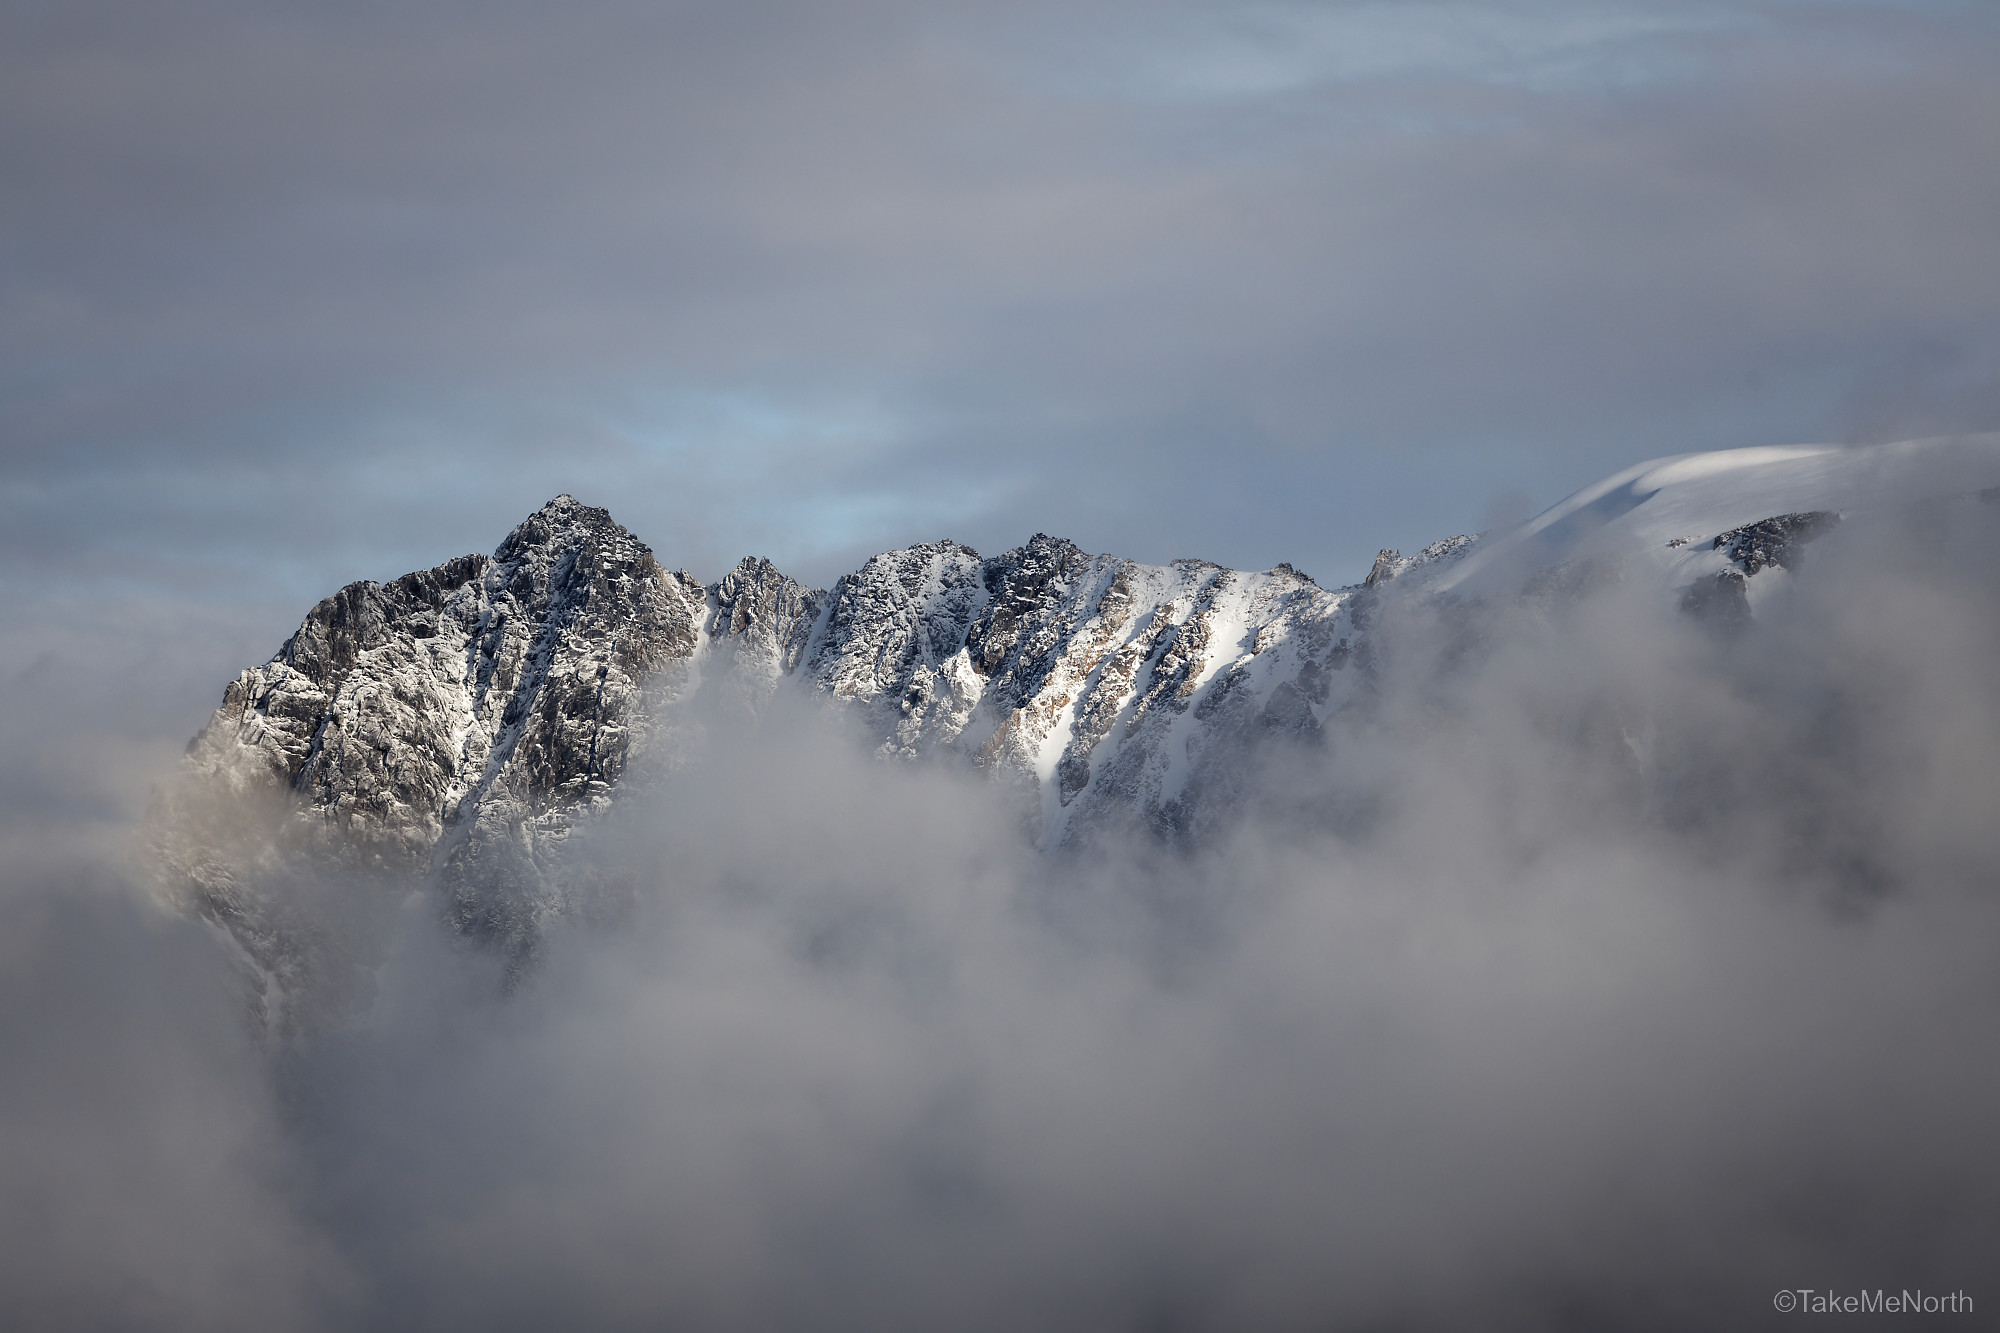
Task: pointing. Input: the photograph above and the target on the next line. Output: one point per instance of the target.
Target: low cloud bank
(1606, 970)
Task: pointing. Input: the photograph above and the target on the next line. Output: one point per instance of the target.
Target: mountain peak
(464, 719)
(566, 508)
(563, 524)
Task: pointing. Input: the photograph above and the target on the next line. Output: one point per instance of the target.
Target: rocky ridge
(459, 722)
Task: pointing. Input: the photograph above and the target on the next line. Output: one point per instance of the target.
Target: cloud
(1602, 970)
(140, 1141)
(1605, 974)
(352, 285)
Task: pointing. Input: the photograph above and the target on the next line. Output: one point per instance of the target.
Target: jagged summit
(460, 721)
(562, 522)
(450, 722)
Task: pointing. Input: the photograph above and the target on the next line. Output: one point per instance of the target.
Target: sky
(296, 295)
(292, 296)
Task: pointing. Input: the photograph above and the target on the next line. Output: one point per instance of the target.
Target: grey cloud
(293, 297)
(332, 265)
(1604, 971)
(139, 1143)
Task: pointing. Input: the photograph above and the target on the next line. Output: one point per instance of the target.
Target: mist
(1606, 969)
(1603, 967)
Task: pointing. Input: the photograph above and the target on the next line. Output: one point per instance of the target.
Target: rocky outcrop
(454, 721)
(1722, 599)
(893, 645)
(458, 723)
(1070, 676)
(1774, 541)
(761, 622)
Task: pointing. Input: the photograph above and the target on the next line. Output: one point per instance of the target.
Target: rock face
(458, 723)
(1096, 686)
(502, 685)
(456, 720)
(1774, 541)
(1723, 598)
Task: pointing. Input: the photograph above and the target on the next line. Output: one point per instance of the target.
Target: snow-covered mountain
(460, 722)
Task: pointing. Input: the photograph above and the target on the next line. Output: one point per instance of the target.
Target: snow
(469, 715)
(1639, 511)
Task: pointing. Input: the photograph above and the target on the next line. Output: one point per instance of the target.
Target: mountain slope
(458, 722)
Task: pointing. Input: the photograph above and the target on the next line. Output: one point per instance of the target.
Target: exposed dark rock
(457, 724)
(1720, 600)
(1774, 541)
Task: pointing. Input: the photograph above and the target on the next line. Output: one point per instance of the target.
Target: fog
(1606, 970)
